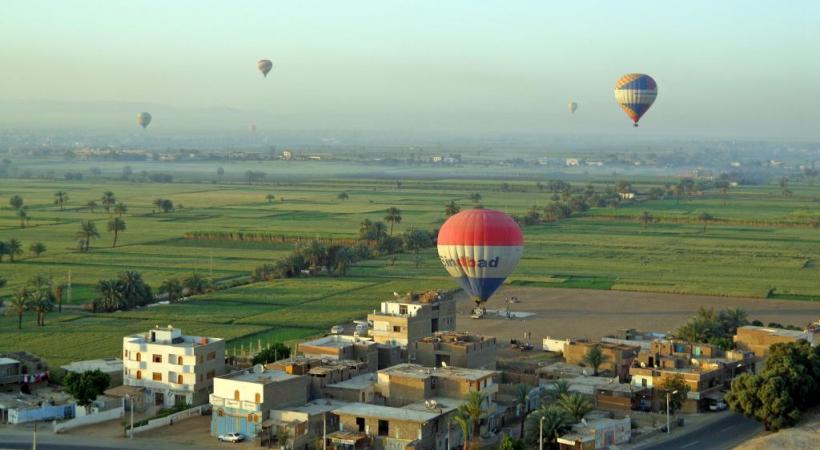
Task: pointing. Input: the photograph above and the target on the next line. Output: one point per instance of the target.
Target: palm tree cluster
(36, 295)
(16, 202)
(126, 291)
(11, 248)
(163, 204)
(565, 409)
(717, 328)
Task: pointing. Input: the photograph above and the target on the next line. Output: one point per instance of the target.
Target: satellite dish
(443, 364)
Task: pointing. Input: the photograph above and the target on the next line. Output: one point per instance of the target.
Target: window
(403, 310)
(156, 376)
(251, 418)
(179, 379)
(211, 374)
(179, 360)
(156, 358)
(257, 397)
(125, 354)
(211, 355)
(360, 424)
(236, 395)
(139, 356)
(396, 328)
(384, 428)
(139, 374)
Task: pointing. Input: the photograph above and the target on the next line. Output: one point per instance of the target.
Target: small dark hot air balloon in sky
(572, 107)
(264, 66)
(143, 119)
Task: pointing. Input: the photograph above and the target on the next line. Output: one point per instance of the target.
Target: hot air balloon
(480, 248)
(572, 107)
(264, 66)
(635, 92)
(143, 119)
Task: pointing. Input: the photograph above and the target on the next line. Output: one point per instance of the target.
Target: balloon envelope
(572, 107)
(480, 248)
(143, 119)
(635, 92)
(264, 66)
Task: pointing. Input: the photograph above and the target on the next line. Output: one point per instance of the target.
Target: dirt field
(594, 313)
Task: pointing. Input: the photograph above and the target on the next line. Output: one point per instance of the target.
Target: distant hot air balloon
(480, 248)
(252, 128)
(572, 107)
(264, 66)
(143, 119)
(635, 92)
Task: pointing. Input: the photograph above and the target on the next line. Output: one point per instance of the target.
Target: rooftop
(5, 361)
(776, 331)
(169, 336)
(456, 338)
(104, 365)
(258, 375)
(337, 341)
(386, 412)
(319, 406)
(417, 371)
(357, 382)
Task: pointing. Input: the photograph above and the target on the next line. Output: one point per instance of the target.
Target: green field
(748, 252)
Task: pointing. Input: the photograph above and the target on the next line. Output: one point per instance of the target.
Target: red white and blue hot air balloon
(480, 248)
(635, 93)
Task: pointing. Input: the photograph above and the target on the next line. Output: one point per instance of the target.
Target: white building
(172, 368)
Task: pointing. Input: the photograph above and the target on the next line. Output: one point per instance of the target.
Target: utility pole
(668, 430)
(69, 291)
(541, 434)
(324, 431)
(34, 437)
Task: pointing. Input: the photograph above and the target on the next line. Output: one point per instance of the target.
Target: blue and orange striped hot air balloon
(635, 92)
(480, 248)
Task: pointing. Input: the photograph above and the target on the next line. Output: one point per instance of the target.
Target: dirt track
(594, 313)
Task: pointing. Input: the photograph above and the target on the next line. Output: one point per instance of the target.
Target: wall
(104, 416)
(42, 413)
(169, 420)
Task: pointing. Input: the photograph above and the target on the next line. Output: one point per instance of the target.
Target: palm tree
(23, 215)
(314, 253)
(16, 201)
(195, 284)
(60, 198)
(172, 288)
(116, 225)
(705, 218)
(393, 217)
(733, 318)
(574, 405)
(14, 248)
(37, 249)
(342, 259)
(110, 294)
(343, 196)
(19, 304)
(475, 197)
(270, 198)
(595, 357)
(42, 301)
(108, 200)
(134, 290)
(59, 291)
(87, 231)
(462, 418)
(4, 250)
(646, 218)
(120, 208)
(474, 407)
(91, 205)
(416, 240)
(561, 387)
(522, 396)
(451, 208)
(554, 423)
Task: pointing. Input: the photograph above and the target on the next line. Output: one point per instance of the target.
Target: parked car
(231, 437)
(717, 406)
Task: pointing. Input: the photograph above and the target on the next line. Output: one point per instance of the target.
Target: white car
(231, 437)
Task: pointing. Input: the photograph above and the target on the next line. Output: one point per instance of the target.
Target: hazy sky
(724, 68)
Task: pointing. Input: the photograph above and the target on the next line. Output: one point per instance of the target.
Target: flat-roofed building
(406, 321)
(242, 400)
(407, 383)
(759, 339)
(360, 389)
(10, 372)
(418, 426)
(110, 366)
(342, 347)
(618, 357)
(173, 368)
(305, 423)
(705, 382)
(456, 349)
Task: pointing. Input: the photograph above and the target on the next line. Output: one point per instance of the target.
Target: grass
(749, 254)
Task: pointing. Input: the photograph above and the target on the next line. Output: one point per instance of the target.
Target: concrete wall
(90, 419)
(170, 420)
(67, 411)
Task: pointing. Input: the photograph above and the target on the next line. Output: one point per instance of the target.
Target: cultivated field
(748, 253)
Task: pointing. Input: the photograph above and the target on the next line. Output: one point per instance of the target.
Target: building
(759, 339)
(456, 349)
(20, 408)
(622, 397)
(407, 383)
(618, 357)
(287, 155)
(597, 434)
(551, 344)
(705, 383)
(241, 401)
(10, 371)
(417, 426)
(572, 162)
(306, 423)
(111, 366)
(361, 389)
(342, 347)
(630, 336)
(404, 322)
(173, 368)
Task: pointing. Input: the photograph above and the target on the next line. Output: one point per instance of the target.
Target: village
(404, 378)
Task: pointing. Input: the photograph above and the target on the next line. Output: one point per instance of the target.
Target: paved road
(723, 434)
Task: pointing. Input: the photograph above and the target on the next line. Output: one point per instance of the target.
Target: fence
(173, 418)
(42, 413)
(90, 419)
